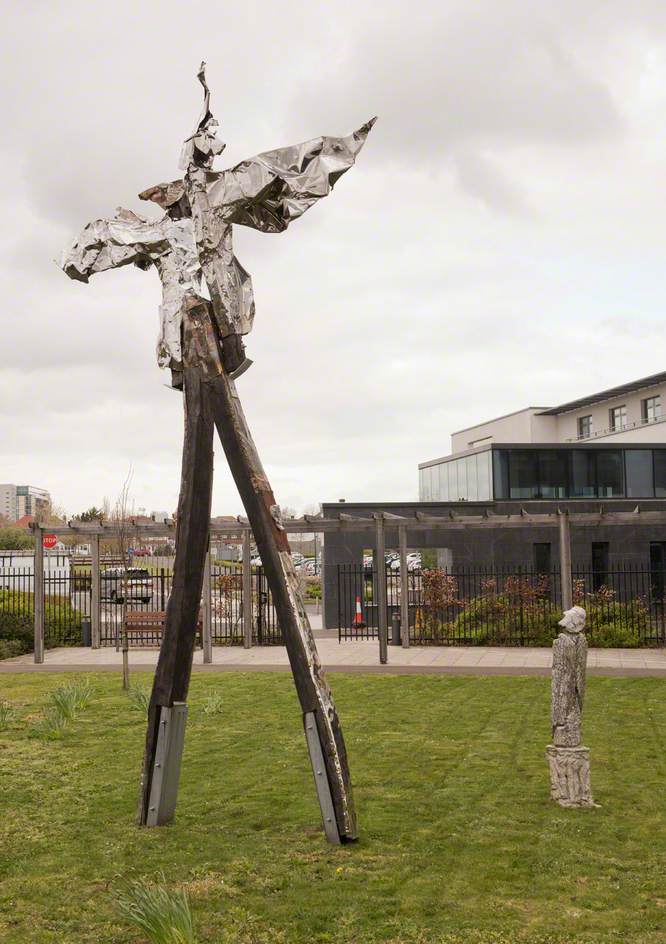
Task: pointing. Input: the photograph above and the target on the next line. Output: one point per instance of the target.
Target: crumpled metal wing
(108, 244)
(269, 191)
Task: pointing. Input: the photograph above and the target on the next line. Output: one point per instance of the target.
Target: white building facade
(610, 444)
(19, 500)
(8, 505)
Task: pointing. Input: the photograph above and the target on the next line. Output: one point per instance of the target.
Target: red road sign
(50, 540)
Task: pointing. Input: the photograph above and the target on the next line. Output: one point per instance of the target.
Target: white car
(119, 584)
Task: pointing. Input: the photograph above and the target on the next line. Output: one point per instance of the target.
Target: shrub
(10, 648)
(313, 588)
(521, 610)
(62, 624)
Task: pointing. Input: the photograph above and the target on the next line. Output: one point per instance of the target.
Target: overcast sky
(500, 242)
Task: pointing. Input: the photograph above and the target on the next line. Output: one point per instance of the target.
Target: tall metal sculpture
(201, 342)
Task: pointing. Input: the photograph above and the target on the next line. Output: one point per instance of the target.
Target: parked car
(119, 584)
(311, 567)
(413, 562)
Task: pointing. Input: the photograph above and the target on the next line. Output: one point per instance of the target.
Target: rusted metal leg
(325, 742)
(174, 666)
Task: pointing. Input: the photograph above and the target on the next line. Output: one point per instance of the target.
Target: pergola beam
(420, 522)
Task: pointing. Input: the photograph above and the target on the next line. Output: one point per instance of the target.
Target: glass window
(584, 427)
(553, 467)
(617, 417)
(610, 478)
(657, 571)
(443, 482)
(542, 563)
(640, 482)
(472, 478)
(500, 473)
(483, 474)
(599, 564)
(651, 409)
(523, 474)
(660, 473)
(425, 484)
(583, 478)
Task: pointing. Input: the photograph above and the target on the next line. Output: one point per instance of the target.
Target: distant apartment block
(610, 444)
(17, 501)
(8, 502)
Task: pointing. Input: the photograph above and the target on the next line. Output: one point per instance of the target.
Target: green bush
(9, 648)
(519, 612)
(17, 621)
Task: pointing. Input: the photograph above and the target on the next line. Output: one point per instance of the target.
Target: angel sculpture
(201, 341)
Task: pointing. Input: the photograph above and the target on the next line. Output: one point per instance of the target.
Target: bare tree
(120, 520)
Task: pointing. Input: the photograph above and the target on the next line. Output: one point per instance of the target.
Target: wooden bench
(140, 623)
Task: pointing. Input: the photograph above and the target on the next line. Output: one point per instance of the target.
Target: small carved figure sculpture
(569, 761)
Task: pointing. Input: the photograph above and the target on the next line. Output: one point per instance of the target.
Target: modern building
(607, 445)
(17, 501)
(8, 502)
(603, 451)
(32, 501)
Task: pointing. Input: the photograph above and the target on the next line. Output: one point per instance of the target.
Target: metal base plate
(168, 756)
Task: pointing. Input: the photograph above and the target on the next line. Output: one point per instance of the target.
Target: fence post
(565, 560)
(94, 591)
(247, 591)
(207, 629)
(38, 594)
(382, 604)
(404, 586)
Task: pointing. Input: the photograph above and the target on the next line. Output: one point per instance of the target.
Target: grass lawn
(459, 842)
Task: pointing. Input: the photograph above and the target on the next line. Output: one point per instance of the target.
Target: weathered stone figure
(569, 761)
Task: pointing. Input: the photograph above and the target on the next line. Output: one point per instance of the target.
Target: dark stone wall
(489, 548)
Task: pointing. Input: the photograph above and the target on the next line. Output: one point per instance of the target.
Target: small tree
(15, 539)
(91, 514)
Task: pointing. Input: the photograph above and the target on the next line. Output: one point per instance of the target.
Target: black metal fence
(515, 607)
(68, 602)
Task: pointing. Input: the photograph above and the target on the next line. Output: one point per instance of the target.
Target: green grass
(459, 842)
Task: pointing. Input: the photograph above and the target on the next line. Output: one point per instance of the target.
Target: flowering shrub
(520, 610)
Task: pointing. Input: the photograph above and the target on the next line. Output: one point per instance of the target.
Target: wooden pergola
(377, 524)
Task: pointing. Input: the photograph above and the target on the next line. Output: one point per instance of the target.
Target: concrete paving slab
(360, 656)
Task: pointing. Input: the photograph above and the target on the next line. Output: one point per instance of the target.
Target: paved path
(361, 656)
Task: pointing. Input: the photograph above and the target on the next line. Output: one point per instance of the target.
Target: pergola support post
(207, 621)
(96, 639)
(382, 603)
(404, 587)
(39, 595)
(247, 590)
(565, 560)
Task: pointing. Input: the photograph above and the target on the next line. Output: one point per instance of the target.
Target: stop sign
(50, 540)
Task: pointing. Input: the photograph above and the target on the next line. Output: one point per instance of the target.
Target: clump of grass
(213, 704)
(63, 705)
(68, 699)
(53, 724)
(164, 916)
(7, 714)
(139, 698)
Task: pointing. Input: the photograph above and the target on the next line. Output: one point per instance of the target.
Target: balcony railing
(637, 424)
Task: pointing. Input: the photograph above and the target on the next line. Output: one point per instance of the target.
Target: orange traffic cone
(358, 622)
